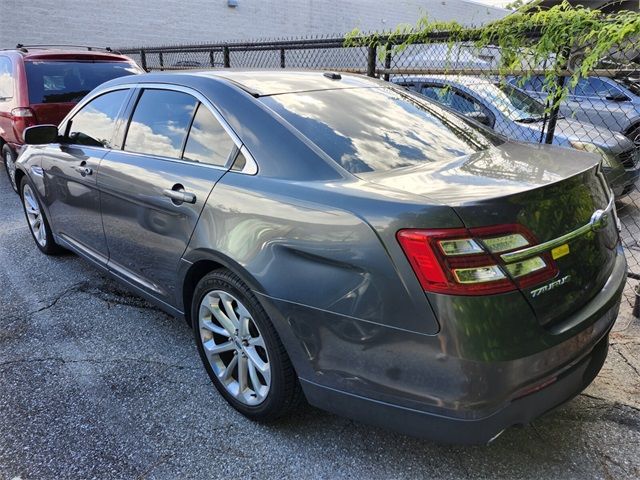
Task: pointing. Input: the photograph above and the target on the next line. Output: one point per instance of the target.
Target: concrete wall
(124, 23)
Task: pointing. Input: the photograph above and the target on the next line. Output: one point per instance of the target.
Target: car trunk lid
(550, 192)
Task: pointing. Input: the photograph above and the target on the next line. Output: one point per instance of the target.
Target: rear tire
(37, 220)
(241, 350)
(9, 158)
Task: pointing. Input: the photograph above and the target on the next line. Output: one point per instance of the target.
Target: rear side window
(63, 82)
(594, 87)
(208, 142)
(6, 79)
(94, 124)
(160, 123)
(378, 129)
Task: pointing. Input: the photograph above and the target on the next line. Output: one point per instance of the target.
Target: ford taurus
(340, 239)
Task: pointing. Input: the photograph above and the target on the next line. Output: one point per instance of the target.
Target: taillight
(22, 118)
(466, 261)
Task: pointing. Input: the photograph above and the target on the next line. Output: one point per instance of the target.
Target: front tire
(10, 165)
(241, 350)
(37, 220)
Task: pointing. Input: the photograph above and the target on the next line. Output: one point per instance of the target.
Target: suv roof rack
(90, 48)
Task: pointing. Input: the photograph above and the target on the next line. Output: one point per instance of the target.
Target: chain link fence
(601, 113)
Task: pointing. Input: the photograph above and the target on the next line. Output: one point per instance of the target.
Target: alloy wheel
(234, 347)
(34, 215)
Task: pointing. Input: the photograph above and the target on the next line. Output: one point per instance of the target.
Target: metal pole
(226, 57)
(143, 60)
(282, 58)
(387, 61)
(553, 116)
(161, 57)
(212, 59)
(371, 61)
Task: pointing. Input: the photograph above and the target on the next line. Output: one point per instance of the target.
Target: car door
(70, 172)
(7, 101)
(153, 189)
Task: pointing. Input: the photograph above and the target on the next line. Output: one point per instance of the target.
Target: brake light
(23, 112)
(466, 261)
(22, 118)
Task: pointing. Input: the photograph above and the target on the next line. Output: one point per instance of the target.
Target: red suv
(40, 84)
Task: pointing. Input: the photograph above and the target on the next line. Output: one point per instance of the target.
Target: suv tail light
(22, 118)
(466, 262)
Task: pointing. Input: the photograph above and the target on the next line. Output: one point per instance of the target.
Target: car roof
(260, 83)
(468, 80)
(43, 52)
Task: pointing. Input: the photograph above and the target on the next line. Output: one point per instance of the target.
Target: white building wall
(124, 23)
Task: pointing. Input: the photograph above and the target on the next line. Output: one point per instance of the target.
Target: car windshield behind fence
(62, 81)
(384, 130)
(516, 105)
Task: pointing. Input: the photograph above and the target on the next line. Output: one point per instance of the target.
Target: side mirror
(480, 118)
(41, 135)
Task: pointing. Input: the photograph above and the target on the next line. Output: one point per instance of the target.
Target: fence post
(226, 57)
(387, 61)
(553, 115)
(282, 58)
(161, 58)
(371, 61)
(212, 59)
(143, 59)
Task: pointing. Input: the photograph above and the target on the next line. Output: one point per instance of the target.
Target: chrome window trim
(248, 170)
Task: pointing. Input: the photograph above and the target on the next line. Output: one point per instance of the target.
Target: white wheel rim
(234, 347)
(34, 216)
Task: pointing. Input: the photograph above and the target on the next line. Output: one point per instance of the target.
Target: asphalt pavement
(96, 383)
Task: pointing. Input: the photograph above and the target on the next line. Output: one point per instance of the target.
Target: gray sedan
(518, 116)
(340, 239)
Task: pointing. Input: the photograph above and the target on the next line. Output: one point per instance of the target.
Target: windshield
(62, 81)
(513, 103)
(378, 129)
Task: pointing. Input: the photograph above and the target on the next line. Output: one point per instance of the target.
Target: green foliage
(560, 39)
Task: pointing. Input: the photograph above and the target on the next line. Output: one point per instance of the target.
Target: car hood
(497, 172)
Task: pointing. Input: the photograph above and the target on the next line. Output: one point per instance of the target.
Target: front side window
(208, 142)
(378, 129)
(68, 81)
(160, 123)
(94, 124)
(6, 79)
(594, 87)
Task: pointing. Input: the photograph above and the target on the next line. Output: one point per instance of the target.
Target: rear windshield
(60, 81)
(378, 129)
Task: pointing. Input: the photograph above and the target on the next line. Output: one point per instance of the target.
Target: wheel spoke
(227, 301)
(257, 342)
(216, 349)
(207, 324)
(226, 323)
(242, 373)
(255, 381)
(228, 371)
(260, 364)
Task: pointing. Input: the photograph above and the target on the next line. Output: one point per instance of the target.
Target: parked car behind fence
(518, 116)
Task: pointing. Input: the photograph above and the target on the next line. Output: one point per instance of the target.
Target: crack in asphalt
(627, 361)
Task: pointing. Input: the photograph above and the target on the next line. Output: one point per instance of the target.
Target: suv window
(6, 79)
(208, 142)
(69, 81)
(160, 123)
(94, 124)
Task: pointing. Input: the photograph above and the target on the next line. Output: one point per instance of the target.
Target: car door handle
(84, 171)
(179, 196)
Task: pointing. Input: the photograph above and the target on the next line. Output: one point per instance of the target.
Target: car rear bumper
(456, 430)
(485, 370)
